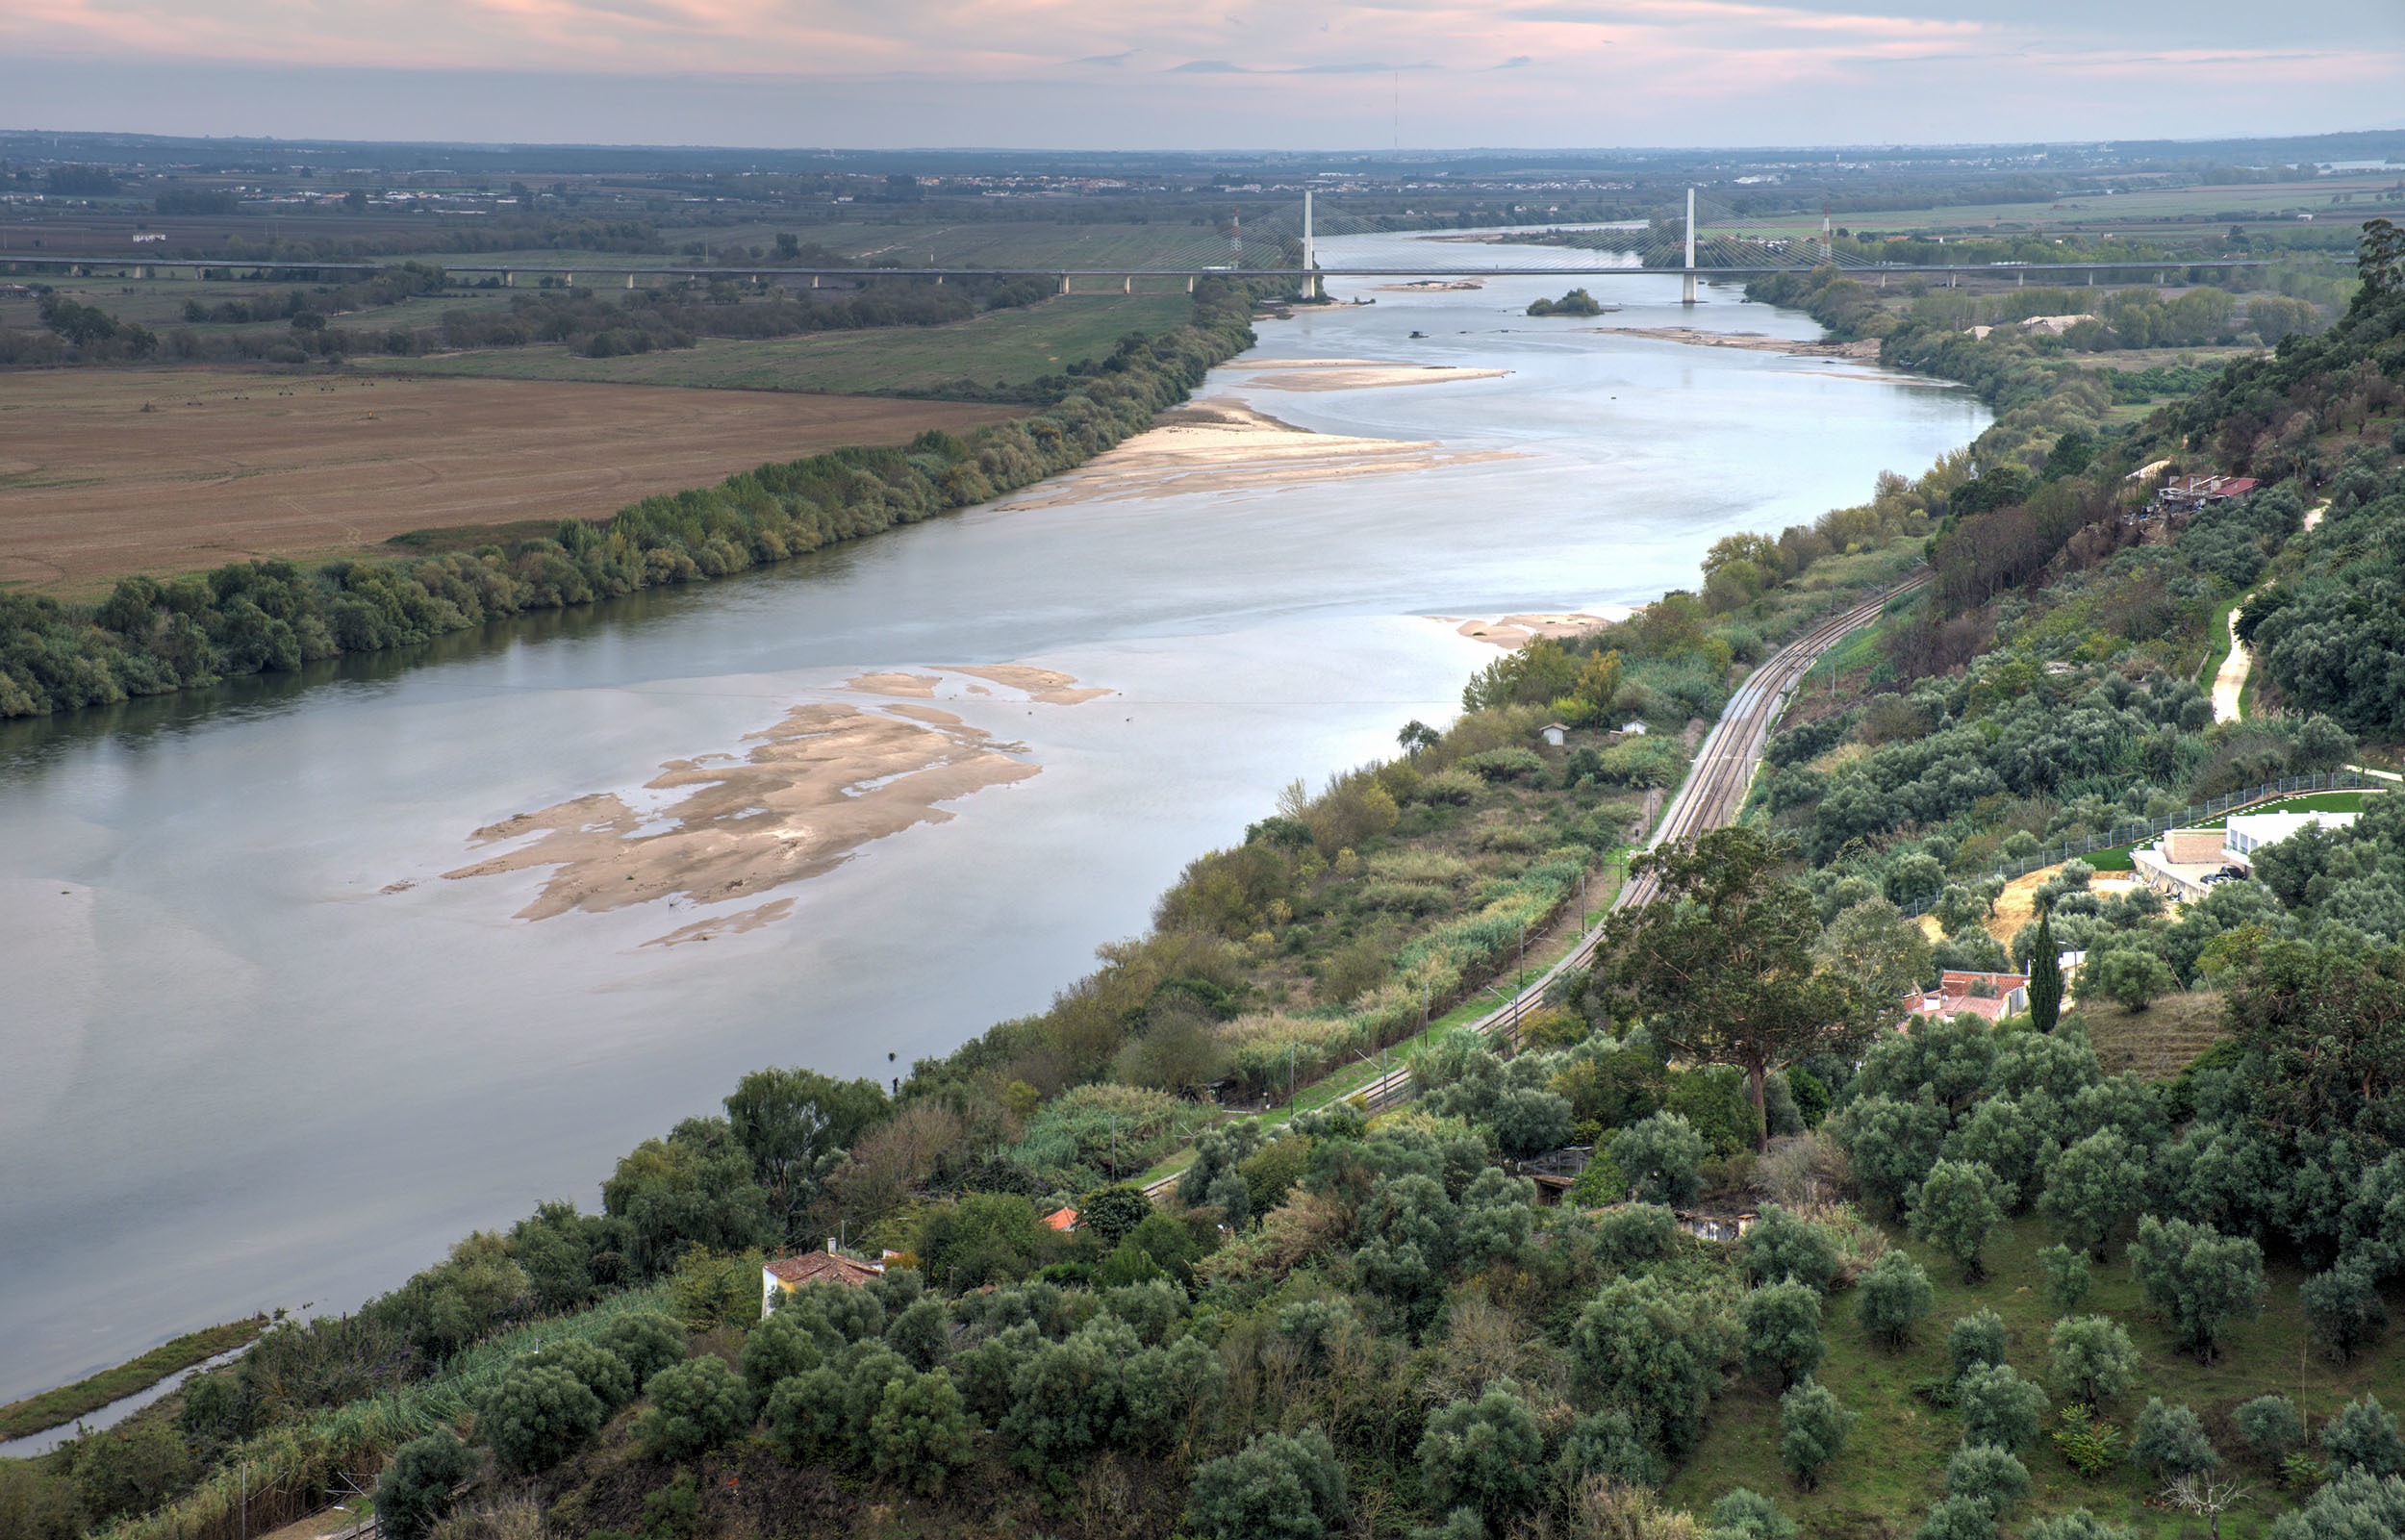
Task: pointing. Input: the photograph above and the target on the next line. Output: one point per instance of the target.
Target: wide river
(236, 1072)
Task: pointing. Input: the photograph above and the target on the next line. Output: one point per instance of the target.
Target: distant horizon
(1242, 76)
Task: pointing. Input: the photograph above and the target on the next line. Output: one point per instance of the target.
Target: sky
(1205, 74)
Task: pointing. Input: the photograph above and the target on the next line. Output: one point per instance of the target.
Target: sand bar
(1518, 630)
(820, 784)
(1750, 341)
(1357, 374)
(1221, 445)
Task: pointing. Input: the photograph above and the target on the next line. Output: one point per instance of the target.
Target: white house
(1554, 732)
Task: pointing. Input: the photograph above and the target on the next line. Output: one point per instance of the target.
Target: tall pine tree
(2045, 977)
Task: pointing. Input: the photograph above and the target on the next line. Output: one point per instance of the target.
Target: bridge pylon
(1686, 284)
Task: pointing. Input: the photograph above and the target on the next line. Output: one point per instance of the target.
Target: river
(237, 1074)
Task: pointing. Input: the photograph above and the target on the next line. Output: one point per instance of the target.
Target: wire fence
(2131, 833)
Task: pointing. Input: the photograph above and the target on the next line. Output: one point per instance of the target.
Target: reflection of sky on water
(226, 1046)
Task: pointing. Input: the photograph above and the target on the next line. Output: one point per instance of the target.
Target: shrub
(414, 1489)
(2170, 1441)
(778, 1348)
(1892, 1298)
(2271, 1426)
(1975, 1342)
(1641, 1345)
(922, 1335)
(1276, 1488)
(597, 1369)
(1662, 1158)
(646, 1343)
(695, 1406)
(2363, 1437)
(1813, 1428)
(2090, 1446)
(2000, 1407)
(1782, 1326)
(2077, 1524)
(2090, 1360)
(539, 1416)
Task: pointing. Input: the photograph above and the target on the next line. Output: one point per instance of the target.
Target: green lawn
(1008, 345)
(1893, 1468)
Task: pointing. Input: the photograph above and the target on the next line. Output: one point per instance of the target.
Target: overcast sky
(1154, 74)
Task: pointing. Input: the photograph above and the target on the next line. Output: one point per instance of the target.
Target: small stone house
(787, 1274)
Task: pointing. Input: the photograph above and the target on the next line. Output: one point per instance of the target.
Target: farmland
(109, 472)
(1011, 346)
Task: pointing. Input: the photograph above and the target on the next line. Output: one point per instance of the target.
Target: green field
(2253, 200)
(1012, 347)
(1893, 1468)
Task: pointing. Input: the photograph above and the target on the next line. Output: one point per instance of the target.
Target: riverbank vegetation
(68, 1403)
(150, 637)
(1986, 1287)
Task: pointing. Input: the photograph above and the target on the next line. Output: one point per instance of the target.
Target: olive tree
(2067, 1279)
(2090, 1360)
(2272, 1428)
(2346, 1308)
(1813, 1428)
(1987, 1474)
(1641, 1345)
(1487, 1454)
(1662, 1158)
(1783, 1244)
(2364, 1436)
(1892, 1298)
(1742, 1513)
(2200, 1278)
(2000, 1407)
(1782, 1326)
(2092, 1188)
(2128, 977)
(2170, 1441)
(1975, 1342)
(1961, 1204)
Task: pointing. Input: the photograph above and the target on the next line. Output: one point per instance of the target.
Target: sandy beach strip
(1221, 445)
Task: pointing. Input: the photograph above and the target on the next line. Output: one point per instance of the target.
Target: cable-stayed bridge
(1697, 242)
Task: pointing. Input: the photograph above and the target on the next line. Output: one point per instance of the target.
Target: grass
(2158, 1042)
(1893, 1468)
(2217, 641)
(53, 1408)
(1012, 347)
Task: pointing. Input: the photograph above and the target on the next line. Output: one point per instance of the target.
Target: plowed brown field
(105, 472)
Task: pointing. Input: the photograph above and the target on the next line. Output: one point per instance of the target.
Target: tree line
(149, 636)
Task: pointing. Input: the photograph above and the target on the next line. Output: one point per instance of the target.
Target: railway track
(1710, 795)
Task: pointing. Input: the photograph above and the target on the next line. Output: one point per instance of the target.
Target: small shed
(1633, 729)
(787, 1274)
(1554, 732)
(1063, 1219)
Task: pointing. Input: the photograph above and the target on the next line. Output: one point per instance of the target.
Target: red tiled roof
(1061, 1219)
(821, 1267)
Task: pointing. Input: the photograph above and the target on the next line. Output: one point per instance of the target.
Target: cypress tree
(2045, 977)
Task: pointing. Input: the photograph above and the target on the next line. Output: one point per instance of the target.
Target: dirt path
(2230, 683)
